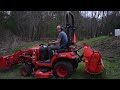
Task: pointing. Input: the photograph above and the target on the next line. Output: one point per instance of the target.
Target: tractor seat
(62, 50)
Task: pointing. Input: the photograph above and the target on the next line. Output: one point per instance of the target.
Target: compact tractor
(64, 60)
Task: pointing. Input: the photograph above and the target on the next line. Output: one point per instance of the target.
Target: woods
(37, 25)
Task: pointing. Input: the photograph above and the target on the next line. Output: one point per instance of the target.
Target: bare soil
(109, 48)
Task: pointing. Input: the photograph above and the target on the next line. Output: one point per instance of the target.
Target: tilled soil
(109, 48)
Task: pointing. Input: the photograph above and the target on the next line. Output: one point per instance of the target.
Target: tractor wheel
(26, 70)
(63, 69)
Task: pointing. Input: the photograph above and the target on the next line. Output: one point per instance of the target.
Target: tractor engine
(43, 55)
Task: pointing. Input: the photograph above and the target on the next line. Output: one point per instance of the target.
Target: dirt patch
(109, 48)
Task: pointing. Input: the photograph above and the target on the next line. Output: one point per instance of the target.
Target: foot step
(46, 61)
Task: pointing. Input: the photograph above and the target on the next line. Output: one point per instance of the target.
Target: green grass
(1, 54)
(112, 69)
(93, 41)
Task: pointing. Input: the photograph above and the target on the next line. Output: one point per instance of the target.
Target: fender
(69, 55)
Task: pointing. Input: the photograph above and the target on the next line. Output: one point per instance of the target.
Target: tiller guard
(93, 60)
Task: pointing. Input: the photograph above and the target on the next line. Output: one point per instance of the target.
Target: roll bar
(70, 27)
(68, 13)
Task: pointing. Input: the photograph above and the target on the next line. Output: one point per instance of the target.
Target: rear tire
(26, 70)
(63, 69)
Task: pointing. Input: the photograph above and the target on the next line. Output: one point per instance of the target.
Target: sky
(89, 14)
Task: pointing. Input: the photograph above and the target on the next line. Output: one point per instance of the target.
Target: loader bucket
(5, 62)
(93, 60)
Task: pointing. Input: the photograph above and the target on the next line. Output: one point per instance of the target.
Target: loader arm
(7, 61)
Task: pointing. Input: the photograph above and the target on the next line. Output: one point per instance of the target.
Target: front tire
(63, 69)
(26, 70)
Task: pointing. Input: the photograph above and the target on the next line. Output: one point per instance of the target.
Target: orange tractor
(63, 62)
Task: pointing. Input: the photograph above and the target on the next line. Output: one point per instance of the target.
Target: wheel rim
(24, 72)
(62, 71)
